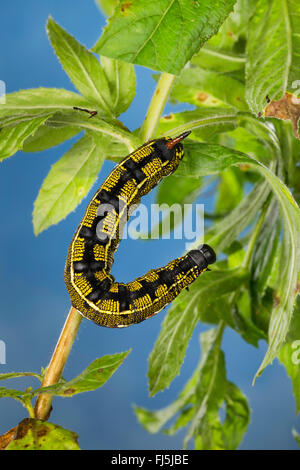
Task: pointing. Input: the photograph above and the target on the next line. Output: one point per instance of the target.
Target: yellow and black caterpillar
(93, 290)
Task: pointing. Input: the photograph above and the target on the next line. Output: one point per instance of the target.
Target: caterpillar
(92, 289)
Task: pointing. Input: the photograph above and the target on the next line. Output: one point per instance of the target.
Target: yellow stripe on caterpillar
(92, 289)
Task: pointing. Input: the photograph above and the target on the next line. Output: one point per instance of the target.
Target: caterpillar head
(170, 151)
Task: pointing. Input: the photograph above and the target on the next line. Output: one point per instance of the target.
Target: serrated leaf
(286, 289)
(168, 353)
(81, 65)
(14, 131)
(204, 122)
(122, 83)
(223, 52)
(34, 434)
(137, 30)
(202, 83)
(97, 373)
(200, 401)
(68, 181)
(272, 69)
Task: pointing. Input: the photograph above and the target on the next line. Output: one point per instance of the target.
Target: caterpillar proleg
(93, 290)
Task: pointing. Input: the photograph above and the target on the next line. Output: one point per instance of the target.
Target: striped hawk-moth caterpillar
(93, 290)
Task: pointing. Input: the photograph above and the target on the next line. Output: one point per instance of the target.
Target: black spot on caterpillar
(93, 290)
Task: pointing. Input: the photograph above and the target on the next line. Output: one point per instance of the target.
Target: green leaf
(41, 100)
(14, 131)
(230, 191)
(69, 180)
(286, 289)
(211, 391)
(204, 122)
(111, 128)
(137, 31)
(289, 354)
(98, 372)
(237, 417)
(244, 141)
(224, 52)
(272, 69)
(47, 137)
(205, 159)
(218, 60)
(122, 83)
(174, 190)
(11, 393)
(195, 84)
(107, 6)
(265, 250)
(34, 434)
(153, 421)
(225, 232)
(168, 353)
(13, 375)
(200, 401)
(81, 65)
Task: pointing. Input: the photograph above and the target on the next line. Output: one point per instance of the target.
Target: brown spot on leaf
(277, 300)
(230, 34)
(100, 370)
(244, 167)
(125, 6)
(297, 288)
(287, 109)
(201, 96)
(69, 391)
(170, 116)
(43, 431)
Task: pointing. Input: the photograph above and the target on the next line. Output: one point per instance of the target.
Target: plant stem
(56, 366)
(156, 106)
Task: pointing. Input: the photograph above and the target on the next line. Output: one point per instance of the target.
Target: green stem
(156, 106)
(28, 405)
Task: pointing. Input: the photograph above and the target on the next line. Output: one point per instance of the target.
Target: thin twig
(56, 366)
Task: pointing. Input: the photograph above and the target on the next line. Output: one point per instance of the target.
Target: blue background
(34, 301)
